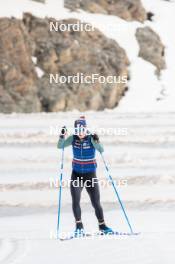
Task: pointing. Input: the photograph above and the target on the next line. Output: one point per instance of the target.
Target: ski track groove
(15, 250)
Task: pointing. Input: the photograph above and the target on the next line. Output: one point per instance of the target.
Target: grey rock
(151, 47)
(18, 91)
(67, 53)
(127, 9)
(40, 1)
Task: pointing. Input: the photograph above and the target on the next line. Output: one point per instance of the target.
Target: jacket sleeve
(67, 142)
(97, 146)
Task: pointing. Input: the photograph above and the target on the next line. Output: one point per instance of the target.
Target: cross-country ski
(97, 235)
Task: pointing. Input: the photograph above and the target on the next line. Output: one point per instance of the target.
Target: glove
(63, 132)
(96, 138)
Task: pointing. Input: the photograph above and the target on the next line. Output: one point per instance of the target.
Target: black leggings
(89, 180)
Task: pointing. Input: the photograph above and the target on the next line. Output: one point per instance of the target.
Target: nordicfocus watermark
(101, 131)
(76, 27)
(103, 183)
(87, 79)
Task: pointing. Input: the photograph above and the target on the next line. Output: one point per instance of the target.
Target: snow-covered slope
(144, 155)
(28, 212)
(146, 92)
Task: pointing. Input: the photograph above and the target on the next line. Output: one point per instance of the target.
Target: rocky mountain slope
(126, 9)
(17, 73)
(29, 52)
(56, 52)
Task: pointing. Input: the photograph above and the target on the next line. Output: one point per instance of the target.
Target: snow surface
(145, 156)
(30, 239)
(146, 91)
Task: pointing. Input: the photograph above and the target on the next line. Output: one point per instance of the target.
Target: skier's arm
(67, 142)
(96, 143)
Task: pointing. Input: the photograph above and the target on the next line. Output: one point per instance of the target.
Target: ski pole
(60, 191)
(118, 197)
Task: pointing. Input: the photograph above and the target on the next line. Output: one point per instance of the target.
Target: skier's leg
(94, 193)
(76, 188)
(93, 190)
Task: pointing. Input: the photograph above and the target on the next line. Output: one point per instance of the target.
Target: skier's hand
(96, 138)
(63, 132)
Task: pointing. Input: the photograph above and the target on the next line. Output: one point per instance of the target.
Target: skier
(84, 167)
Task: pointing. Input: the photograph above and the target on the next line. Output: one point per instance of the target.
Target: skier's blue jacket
(83, 152)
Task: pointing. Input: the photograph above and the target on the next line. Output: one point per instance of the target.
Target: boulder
(18, 91)
(126, 9)
(28, 47)
(68, 53)
(40, 1)
(151, 47)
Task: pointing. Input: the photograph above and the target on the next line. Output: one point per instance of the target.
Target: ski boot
(79, 230)
(105, 230)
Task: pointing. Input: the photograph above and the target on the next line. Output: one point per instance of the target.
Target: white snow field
(145, 157)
